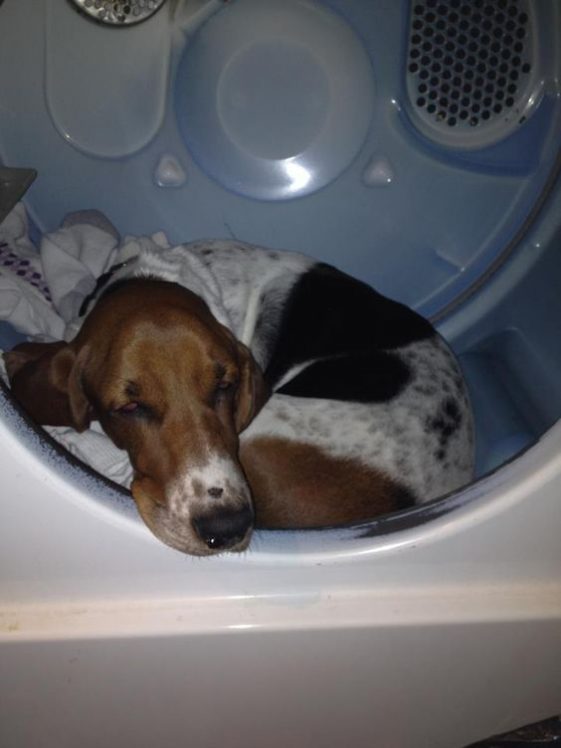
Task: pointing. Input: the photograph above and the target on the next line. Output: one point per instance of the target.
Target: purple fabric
(23, 269)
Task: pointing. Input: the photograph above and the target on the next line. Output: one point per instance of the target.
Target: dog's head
(172, 387)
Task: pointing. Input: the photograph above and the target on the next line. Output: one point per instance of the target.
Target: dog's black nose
(225, 529)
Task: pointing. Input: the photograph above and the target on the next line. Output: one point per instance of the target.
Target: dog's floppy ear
(45, 379)
(252, 393)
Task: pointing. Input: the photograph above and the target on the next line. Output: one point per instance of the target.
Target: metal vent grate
(470, 63)
(119, 12)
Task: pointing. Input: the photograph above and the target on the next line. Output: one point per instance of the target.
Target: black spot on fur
(446, 422)
(403, 498)
(329, 313)
(452, 411)
(371, 377)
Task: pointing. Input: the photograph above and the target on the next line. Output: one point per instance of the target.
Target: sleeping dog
(255, 388)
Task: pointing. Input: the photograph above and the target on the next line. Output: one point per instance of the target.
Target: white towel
(69, 261)
(95, 449)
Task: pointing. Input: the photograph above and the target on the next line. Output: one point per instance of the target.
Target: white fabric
(21, 304)
(95, 449)
(72, 259)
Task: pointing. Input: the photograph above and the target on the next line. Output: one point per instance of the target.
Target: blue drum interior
(412, 144)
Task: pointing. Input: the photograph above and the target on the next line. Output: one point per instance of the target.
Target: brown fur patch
(296, 485)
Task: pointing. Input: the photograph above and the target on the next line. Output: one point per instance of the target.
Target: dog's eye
(135, 410)
(224, 386)
(128, 408)
(222, 391)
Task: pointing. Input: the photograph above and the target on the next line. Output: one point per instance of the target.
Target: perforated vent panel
(470, 66)
(118, 12)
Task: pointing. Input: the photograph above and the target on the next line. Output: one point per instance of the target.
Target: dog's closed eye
(223, 391)
(128, 408)
(225, 386)
(133, 409)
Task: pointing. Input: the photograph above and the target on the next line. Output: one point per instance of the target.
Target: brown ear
(252, 393)
(45, 378)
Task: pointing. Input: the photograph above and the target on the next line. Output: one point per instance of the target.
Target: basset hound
(256, 388)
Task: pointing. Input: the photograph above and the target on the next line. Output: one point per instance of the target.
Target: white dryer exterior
(434, 636)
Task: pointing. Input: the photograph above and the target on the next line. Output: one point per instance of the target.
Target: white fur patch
(190, 493)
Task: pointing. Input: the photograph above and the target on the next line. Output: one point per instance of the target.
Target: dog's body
(350, 404)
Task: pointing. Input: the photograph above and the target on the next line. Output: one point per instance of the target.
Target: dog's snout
(224, 530)
(215, 492)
